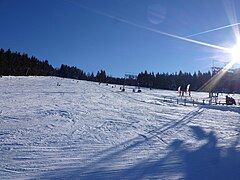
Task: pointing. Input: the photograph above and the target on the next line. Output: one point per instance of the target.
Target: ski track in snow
(83, 130)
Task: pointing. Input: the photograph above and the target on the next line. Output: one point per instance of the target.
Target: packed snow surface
(86, 130)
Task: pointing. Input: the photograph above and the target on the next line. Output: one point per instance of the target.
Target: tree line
(17, 64)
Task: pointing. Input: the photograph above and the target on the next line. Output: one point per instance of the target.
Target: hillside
(83, 130)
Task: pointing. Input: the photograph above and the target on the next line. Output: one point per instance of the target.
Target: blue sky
(91, 35)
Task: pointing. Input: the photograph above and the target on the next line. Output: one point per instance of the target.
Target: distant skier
(227, 100)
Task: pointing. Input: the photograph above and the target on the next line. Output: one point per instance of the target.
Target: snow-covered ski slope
(83, 130)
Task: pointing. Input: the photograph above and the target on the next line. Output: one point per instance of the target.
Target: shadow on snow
(235, 109)
(205, 162)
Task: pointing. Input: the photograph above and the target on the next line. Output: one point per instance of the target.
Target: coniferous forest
(17, 64)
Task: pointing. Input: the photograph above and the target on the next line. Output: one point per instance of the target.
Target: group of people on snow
(230, 101)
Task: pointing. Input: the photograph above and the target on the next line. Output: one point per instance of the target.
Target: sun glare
(235, 52)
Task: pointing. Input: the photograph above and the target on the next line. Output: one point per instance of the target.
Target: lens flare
(235, 52)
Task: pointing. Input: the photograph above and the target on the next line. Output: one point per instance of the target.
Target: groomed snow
(83, 130)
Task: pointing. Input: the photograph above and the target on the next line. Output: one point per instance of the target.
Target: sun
(235, 52)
